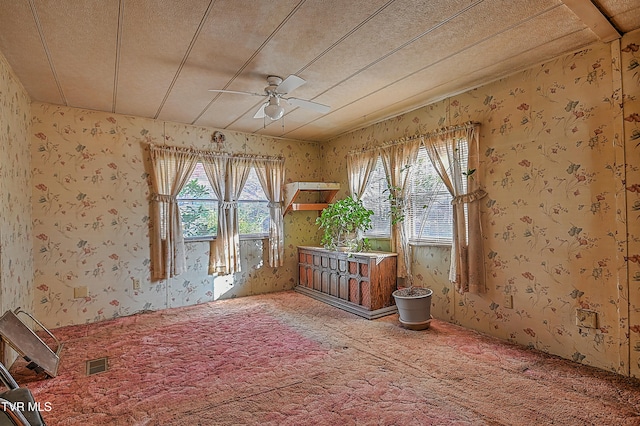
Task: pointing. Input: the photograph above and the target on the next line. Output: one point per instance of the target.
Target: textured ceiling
(367, 59)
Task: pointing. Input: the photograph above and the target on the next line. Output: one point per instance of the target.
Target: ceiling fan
(275, 92)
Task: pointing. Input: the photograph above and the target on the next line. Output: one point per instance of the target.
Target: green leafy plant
(343, 223)
(396, 204)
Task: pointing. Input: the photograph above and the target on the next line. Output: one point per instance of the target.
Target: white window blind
(376, 198)
(430, 214)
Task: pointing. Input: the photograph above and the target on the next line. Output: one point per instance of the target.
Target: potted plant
(414, 306)
(413, 303)
(344, 223)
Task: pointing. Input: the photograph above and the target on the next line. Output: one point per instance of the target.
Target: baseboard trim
(345, 305)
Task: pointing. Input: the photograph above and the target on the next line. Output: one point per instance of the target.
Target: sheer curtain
(215, 167)
(359, 167)
(171, 168)
(397, 160)
(227, 175)
(271, 175)
(444, 148)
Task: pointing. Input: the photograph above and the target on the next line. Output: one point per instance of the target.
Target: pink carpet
(286, 359)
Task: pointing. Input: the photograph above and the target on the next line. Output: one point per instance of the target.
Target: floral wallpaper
(554, 221)
(559, 147)
(16, 257)
(630, 187)
(91, 217)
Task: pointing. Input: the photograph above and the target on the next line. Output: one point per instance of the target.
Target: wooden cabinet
(360, 283)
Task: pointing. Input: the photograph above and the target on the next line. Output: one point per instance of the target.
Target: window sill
(242, 238)
(417, 243)
(430, 243)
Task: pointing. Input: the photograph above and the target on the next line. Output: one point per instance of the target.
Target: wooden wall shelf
(325, 192)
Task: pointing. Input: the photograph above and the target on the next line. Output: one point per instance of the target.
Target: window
(376, 198)
(253, 208)
(199, 207)
(429, 211)
(430, 215)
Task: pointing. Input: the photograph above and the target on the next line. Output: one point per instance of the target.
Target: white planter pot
(414, 309)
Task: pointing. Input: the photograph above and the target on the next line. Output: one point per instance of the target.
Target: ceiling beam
(588, 13)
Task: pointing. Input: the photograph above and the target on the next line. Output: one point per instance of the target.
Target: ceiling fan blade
(323, 109)
(260, 111)
(289, 84)
(235, 92)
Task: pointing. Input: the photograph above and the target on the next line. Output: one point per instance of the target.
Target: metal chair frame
(29, 345)
(14, 410)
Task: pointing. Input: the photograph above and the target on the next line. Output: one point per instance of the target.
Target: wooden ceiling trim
(47, 52)
(116, 67)
(205, 16)
(248, 61)
(594, 19)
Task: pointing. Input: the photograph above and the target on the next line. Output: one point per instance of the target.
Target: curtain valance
(422, 136)
(208, 153)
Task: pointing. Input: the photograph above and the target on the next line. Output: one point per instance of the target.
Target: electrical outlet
(508, 301)
(80, 292)
(586, 318)
(136, 283)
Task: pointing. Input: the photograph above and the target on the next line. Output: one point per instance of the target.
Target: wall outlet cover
(80, 292)
(508, 301)
(586, 318)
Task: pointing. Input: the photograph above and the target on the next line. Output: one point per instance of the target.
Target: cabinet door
(343, 287)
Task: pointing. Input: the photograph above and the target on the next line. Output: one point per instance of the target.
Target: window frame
(382, 198)
(411, 216)
(203, 238)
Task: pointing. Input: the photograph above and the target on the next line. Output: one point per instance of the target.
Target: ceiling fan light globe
(274, 111)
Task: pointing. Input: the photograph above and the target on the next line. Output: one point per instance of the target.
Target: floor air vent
(95, 366)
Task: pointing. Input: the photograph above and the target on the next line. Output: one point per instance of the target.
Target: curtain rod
(204, 152)
(437, 132)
